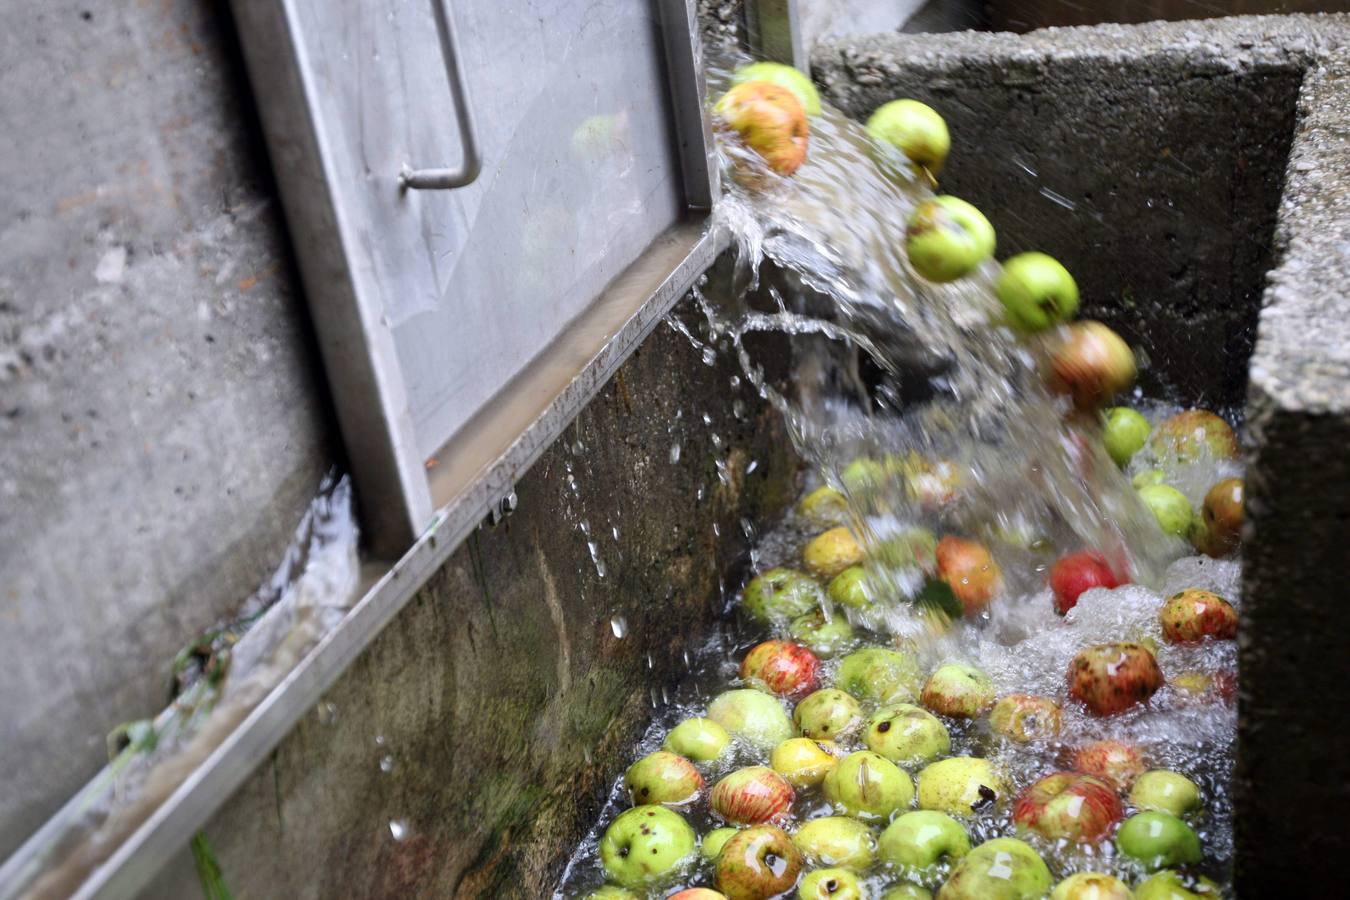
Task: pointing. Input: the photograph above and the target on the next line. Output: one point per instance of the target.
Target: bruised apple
(770, 120)
(1114, 762)
(1092, 365)
(1025, 717)
(783, 76)
(1068, 806)
(1190, 616)
(662, 777)
(785, 668)
(1110, 678)
(962, 692)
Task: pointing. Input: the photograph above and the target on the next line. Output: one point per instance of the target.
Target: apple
(850, 589)
(770, 121)
(1091, 886)
(907, 735)
(1147, 477)
(1092, 365)
(1115, 762)
(1071, 575)
(1036, 291)
(1025, 717)
(751, 796)
(971, 572)
(868, 786)
(824, 635)
(915, 129)
(1158, 840)
(961, 692)
(960, 786)
(923, 838)
(611, 892)
(913, 548)
(1193, 435)
(1125, 433)
(830, 884)
(697, 894)
(779, 595)
(932, 483)
(880, 674)
(824, 506)
(1190, 616)
(1068, 806)
(1169, 885)
(1110, 678)
(758, 863)
(1221, 516)
(1169, 506)
(785, 668)
(907, 890)
(802, 761)
(864, 475)
(699, 739)
(836, 841)
(1162, 790)
(827, 714)
(645, 845)
(1001, 869)
(947, 238)
(715, 840)
(831, 552)
(785, 77)
(752, 715)
(662, 777)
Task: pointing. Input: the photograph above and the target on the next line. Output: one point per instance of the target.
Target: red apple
(1092, 365)
(697, 894)
(770, 120)
(752, 795)
(1192, 434)
(1193, 615)
(1070, 806)
(1110, 678)
(1114, 762)
(786, 668)
(1071, 575)
(1220, 530)
(970, 571)
(758, 863)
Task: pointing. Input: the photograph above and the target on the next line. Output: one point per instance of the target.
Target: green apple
(863, 475)
(1124, 433)
(913, 548)
(715, 840)
(825, 636)
(1169, 885)
(803, 762)
(752, 715)
(824, 506)
(758, 862)
(960, 785)
(699, 739)
(1001, 869)
(1091, 886)
(923, 838)
(1169, 506)
(1025, 717)
(1159, 840)
(849, 588)
(830, 884)
(827, 714)
(1165, 791)
(907, 735)
(662, 777)
(868, 786)
(1036, 291)
(831, 552)
(780, 595)
(783, 76)
(915, 129)
(907, 891)
(962, 692)
(611, 892)
(880, 674)
(836, 841)
(946, 238)
(645, 845)
(1147, 477)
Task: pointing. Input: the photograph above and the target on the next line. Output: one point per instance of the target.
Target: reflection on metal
(471, 164)
(775, 32)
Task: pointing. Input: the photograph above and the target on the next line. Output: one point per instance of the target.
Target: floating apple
(923, 838)
(970, 571)
(880, 674)
(1192, 615)
(1158, 840)
(1091, 886)
(1068, 806)
(1147, 477)
(1092, 365)
(946, 238)
(1169, 885)
(824, 506)
(770, 120)
(752, 715)
(906, 735)
(823, 635)
(827, 714)
(915, 129)
(699, 739)
(1071, 575)
(785, 77)
(1125, 433)
(758, 863)
(850, 589)
(961, 692)
(868, 786)
(913, 548)
(697, 894)
(836, 841)
(1221, 517)
(1036, 291)
(1025, 717)
(960, 786)
(1169, 507)
(752, 795)
(830, 884)
(1001, 869)
(785, 668)
(1114, 762)
(831, 552)
(645, 845)
(662, 777)
(1192, 435)
(1165, 791)
(1110, 678)
(803, 761)
(779, 595)
(715, 840)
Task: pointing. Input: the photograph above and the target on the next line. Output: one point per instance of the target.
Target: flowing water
(914, 403)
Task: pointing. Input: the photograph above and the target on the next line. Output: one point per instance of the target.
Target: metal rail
(471, 163)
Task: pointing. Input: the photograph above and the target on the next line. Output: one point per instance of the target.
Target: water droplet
(386, 763)
(754, 464)
(618, 625)
(674, 454)
(327, 712)
(398, 829)
(615, 531)
(379, 740)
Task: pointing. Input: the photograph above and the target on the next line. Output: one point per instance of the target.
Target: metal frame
(774, 31)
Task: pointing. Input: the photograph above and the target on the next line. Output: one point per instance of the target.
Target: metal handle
(472, 164)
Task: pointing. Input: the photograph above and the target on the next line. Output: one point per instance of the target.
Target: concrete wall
(162, 426)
